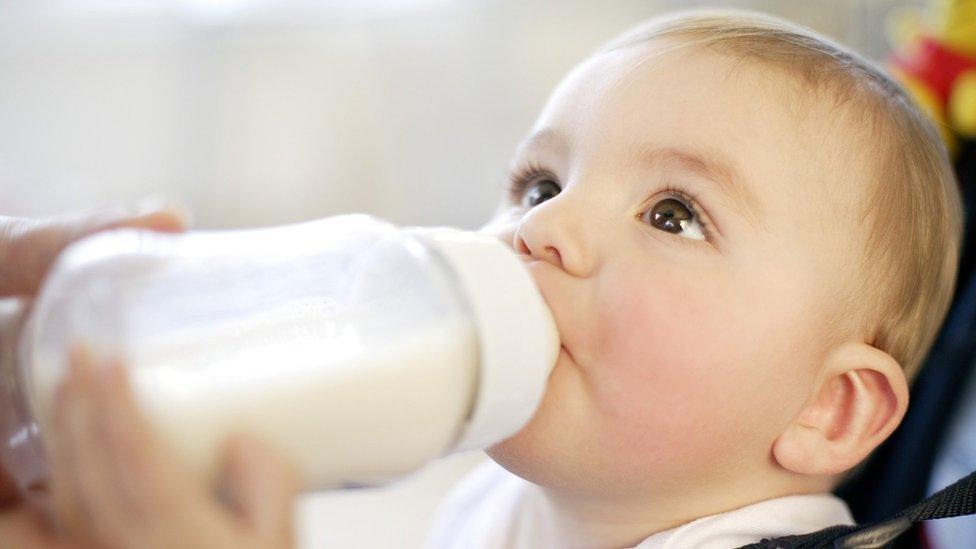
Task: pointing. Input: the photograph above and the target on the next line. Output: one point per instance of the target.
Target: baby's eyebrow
(545, 139)
(713, 167)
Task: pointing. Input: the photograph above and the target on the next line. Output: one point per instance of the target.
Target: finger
(156, 495)
(28, 247)
(90, 505)
(9, 494)
(65, 500)
(23, 528)
(13, 312)
(102, 498)
(138, 458)
(262, 486)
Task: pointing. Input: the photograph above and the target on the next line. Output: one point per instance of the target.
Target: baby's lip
(536, 267)
(568, 353)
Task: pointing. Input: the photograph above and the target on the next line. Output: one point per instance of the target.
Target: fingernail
(160, 204)
(62, 393)
(78, 359)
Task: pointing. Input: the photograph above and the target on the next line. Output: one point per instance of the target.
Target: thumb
(28, 247)
(261, 487)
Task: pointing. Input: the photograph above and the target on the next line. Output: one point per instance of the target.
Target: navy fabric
(956, 459)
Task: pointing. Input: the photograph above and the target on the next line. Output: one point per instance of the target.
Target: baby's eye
(539, 191)
(670, 215)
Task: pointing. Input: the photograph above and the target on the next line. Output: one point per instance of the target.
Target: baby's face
(692, 221)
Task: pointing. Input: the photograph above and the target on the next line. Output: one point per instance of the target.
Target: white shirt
(493, 509)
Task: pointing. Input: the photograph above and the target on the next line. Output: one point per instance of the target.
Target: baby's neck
(583, 522)
(590, 521)
(601, 522)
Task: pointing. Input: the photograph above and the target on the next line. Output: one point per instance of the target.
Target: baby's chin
(544, 451)
(516, 455)
(565, 446)
(551, 462)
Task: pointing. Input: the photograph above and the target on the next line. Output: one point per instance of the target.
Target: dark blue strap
(957, 499)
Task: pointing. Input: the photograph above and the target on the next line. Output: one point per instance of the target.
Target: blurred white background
(253, 112)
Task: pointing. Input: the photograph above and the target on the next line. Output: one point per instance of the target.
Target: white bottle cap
(519, 342)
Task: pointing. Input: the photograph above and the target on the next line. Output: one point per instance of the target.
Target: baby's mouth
(563, 349)
(534, 265)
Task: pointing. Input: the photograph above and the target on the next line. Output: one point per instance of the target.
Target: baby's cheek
(667, 336)
(664, 380)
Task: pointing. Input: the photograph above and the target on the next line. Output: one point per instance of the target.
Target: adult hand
(117, 484)
(22, 527)
(28, 248)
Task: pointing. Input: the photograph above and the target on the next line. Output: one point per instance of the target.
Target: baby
(748, 237)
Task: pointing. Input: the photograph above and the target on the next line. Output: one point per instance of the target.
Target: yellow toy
(936, 62)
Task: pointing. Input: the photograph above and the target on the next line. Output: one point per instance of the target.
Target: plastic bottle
(360, 350)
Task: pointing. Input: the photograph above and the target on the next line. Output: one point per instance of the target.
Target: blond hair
(914, 209)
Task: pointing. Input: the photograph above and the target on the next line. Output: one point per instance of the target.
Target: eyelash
(520, 178)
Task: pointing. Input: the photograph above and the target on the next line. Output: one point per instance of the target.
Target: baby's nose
(547, 253)
(558, 234)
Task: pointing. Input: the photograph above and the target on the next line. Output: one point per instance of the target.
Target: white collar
(494, 509)
(783, 516)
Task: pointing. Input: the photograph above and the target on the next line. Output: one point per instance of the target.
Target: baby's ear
(860, 398)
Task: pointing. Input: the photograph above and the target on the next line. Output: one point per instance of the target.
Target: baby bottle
(359, 349)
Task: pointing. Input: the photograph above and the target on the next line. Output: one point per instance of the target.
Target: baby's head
(748, 237)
